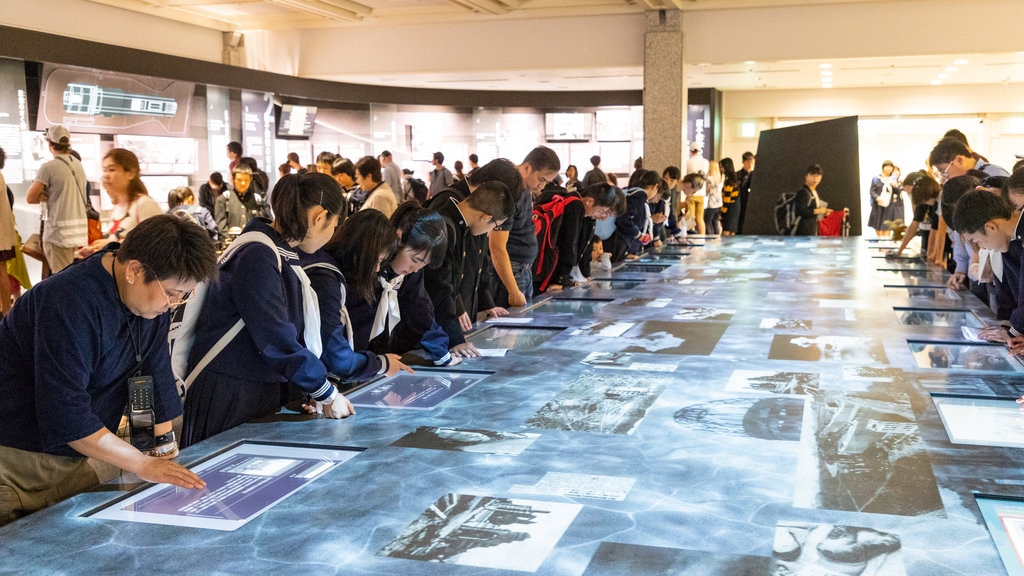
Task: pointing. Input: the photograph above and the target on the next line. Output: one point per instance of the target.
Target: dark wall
(41, 47)
(783, 156)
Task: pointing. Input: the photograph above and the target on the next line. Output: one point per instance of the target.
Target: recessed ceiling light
(961, 62)
(824, 65)
(826, 72)
(936, 82)
(952, 69)
(750, 62)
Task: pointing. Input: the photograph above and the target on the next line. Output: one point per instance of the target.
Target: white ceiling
(247, 15)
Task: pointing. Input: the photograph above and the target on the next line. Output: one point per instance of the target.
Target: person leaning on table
(69, 347)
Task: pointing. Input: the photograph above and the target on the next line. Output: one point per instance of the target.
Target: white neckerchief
(310, 312)
(990, 260)
(388, 314)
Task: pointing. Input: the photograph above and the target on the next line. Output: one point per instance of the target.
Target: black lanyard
(127, 320)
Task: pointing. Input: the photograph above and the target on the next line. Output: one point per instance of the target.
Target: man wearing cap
(392, 174)
(60, 183)
(440, 177)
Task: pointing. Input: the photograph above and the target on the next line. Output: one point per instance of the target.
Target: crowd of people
(346, 267)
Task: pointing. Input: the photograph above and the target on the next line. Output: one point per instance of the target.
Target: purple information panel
(241, 483)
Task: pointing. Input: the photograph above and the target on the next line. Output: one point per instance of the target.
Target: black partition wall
(783, 156)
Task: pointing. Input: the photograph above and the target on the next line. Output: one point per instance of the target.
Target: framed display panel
(613, 284)
(931, 293)
(948, 318)
(423, 390)
(513, 337)
(665, 257)
(645, 268)
(895, 278)
(1004, 517)
(981, 420)
(911, 271)
(577, 306)
(242, 481)
(902, 262)
(961, 356)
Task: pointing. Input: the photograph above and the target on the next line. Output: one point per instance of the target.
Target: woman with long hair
(373, 237)
(394, 314)
(730, 198)
(263, 289)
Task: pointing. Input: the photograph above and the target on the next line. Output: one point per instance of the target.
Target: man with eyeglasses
(952, 158)
(74, 346)
(514, 246)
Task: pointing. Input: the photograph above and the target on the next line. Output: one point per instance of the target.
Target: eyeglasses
(948, 166)
(173, 305)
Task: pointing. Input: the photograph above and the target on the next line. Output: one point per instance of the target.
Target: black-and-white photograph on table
(603, 403)
(467, 440)
(862, 452)
(824, 348)
(836, 549)
(573, 485)
(617, 559)
(767, 381)
(485, 531)
(647, 337)
(627, 361)
(785, 324)
(703, 314)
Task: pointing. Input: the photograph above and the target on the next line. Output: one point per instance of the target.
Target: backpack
(547, 220)
(418, 189)
(786, 220)
(182, 332)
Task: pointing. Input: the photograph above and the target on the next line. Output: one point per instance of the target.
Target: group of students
(294, 304)
(980, 204)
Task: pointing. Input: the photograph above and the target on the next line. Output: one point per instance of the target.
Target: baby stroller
(836, 223)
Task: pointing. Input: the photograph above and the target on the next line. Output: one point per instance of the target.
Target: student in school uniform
(250, 377)
(394, 313)
(576, 232)
(357, 246)
(488, 205)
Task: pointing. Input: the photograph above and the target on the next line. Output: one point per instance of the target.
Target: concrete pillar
(664, 91)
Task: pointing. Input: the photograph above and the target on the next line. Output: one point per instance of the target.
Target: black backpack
(786, 220)
(418, 189)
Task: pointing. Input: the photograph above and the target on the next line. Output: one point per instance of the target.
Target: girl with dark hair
(373, 238)
(634, 227)
(398, 316)
(132, 203)
(730, 198)
(264, 293)
(573, 246)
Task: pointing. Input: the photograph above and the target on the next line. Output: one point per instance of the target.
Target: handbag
(885, 198)
(33, 247)
(92, 216)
